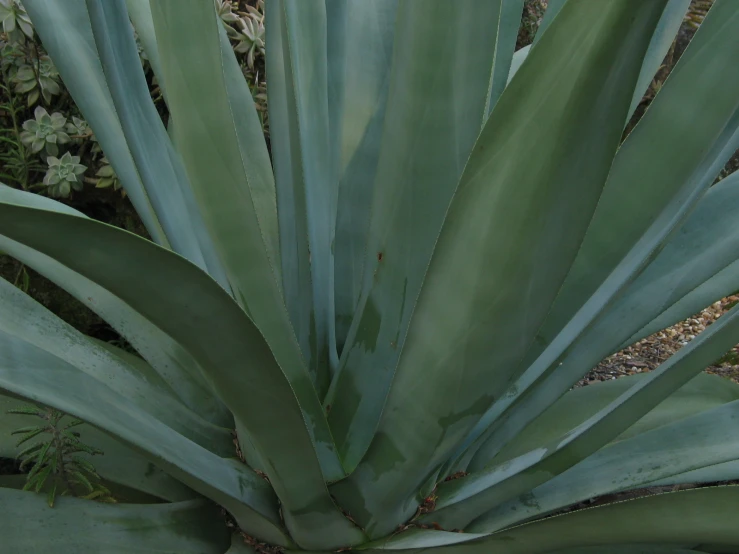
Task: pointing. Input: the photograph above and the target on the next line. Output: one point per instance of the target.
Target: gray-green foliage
(390, 304)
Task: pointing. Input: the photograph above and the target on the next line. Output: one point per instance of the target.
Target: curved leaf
(722, 284)
(727, 471)
(705, 516)
(502, 212)
(224, 152)
(306, 58)
(28, 371)
(140, 13)
(463, 500)
(701, 519)
(703, 246)
(361, 37)
(690, 295)
(697, 265)
(201, 70)
(291, 202)
(31, 322)
(701, 393)
(508, 22)
(699, 441)
(134, 362)
(65, 31)
(444, 53)
(218, 334)
(86, 527)
(119, 463)
(158, 165)
(167, 357)
(647, 168)
(664, 35)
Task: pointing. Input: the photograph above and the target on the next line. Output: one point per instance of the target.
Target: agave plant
(367, 340)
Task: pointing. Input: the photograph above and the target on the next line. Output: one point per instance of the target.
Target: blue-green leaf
(444, 53)
(361, 42)
(696, 442)
(86, 527)
(671, 523)
(31, 322)
(235, 358)
(465, 499)
(119, 463)
(158, 164)
(168, 358)
(458, 357)
(64, 28)
(28, 371)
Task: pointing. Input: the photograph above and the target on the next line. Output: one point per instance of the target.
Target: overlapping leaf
(481, 304)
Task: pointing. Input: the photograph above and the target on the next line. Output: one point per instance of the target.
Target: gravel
(650, 352)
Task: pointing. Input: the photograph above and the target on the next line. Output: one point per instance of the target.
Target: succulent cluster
(246, 29)
(31, 79)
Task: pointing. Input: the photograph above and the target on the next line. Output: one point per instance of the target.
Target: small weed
(55, 463)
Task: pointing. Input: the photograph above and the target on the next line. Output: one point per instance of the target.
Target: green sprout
(56, 463)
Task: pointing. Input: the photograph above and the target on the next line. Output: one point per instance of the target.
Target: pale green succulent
(367, 341)
(250, 34)
(45, 132)
(78, 128)
(224, 9)
(64, 175)
(15, 21)
(44, 84)
(107, 177)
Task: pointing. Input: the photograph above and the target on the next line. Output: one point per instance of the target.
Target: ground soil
(648, 353)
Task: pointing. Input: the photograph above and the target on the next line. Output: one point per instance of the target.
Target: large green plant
(391, 309)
